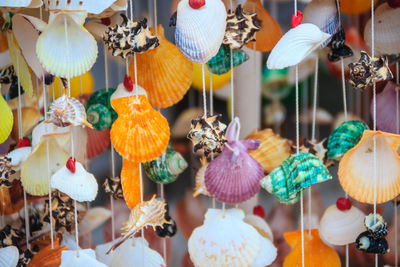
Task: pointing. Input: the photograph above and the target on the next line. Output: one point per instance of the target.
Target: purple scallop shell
(386, 109)
(234, 177)
(5, 146)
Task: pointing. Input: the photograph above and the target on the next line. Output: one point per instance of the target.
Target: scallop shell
(273, 149)
(90, 6)
(7, 120)
(266, 255)
(138, 125)
(386, 108)
(18, 156)
(48, 256)
(30, 117)
(34, 176)
(98, 142)
(221, 62)
(261, 226)
(386, 35)
(200, 187)
(270, 32)
(79, 52)
(45, 130)
(130, 181)
(87, 257)
(123, 92)
(199, 32)
(9, 256)
(296, 45)
(356, 168)
(341, 227)
(164, 72)
(355, 7)
(296, 173)
(345, 137)
(80, 186)
(20, 3)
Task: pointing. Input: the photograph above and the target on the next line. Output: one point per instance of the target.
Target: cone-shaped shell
(273, 149)
(87, 257)
(9, 256)
(164, 72)
(356, 168)
(296, 45)
(6, 120)
(48, 256)
(80, 186)
(130, 181)
(355, 7)
(98, 142)
(221, 62)
(339, 227)
(296, 173)
(140, 133)
(344, 138)
(199, 32)
(270, 32)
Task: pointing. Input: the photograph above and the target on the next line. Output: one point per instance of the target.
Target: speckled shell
(296, 173)
(166, 168)
(221, 62)
(344, 138)
(102, 97)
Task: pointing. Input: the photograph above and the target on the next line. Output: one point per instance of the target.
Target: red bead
(71, 164)
(296, 19)
(128, 83)
(343, 204)
(196, 4)
(106, 21)
(23, 142)
(394, 3)
(259, 211)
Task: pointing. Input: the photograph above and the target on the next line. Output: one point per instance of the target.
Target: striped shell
(297, 172)
(221, 62)
(166, 168)
(345, 137)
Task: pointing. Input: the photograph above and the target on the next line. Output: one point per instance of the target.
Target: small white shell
(93, 219)
(266, 255)
(9, 256)
(18, 156)
(341, 227)
(44, 130)
(260, 224)
(80, 186)
(199, 32)
(86, 258)
(296, 45)
(91, 6)
(97, 28)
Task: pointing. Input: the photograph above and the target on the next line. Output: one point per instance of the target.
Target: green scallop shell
(99, 116)
(221, 62)
(102, 97)
(166, 168)
(296, 173)
(344, 138)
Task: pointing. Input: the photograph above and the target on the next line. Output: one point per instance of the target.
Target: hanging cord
(204, 92)
(232, 85)
(396, 252)
(212, 114)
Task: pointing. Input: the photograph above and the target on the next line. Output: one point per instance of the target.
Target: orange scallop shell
(270, 32)
(98, 142)
(140, 133)
(130, 180)
(316, 252)
(48, 257)
(165, 72)
(355, 7)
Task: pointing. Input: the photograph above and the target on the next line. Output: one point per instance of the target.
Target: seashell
(112, 186)
(221, 62)
(316, 148)
(369, 70)
(138, 124)
(7, 120)
(18, 157)
(355, 7)
(199, 32)
(34, 178)
(147, 213)
(260, 225)
(98, 27)
(166, 168)
(98, 142)
(219, 82)
(102, 249)
(275, 84)
(80, 48)
(338, 48)
(48, 256)
(45, 130)
(130, 181)
(164, 72)
(207, 135)
(79, 185)
(339, 227)
(241, 28)
(11, 196)
(376, 225)
(200, 187)
(234, 176)
(270, 32)
(167, 229)
(345, 137)
(273, 149)
(367, 243)
(296, 45)
(386, 108)
(324, 14)
(10, 236)
(78, 5)
(225, 240)
(6, 170)
(266, 255)
(296, 173)
(129, 37)
(99, 117)
(356, 168)
(93, 219)
(118, 5)
(20, 3)
(9, 256)
(123, 92)
(102, 97)
(316, 252)
(79, 85)
(87, 257)
(7, 73)
(30, 117)
(181, 125)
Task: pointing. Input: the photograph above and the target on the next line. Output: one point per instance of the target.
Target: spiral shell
(221, 62)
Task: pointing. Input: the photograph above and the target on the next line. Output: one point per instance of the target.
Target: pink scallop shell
(98, 142)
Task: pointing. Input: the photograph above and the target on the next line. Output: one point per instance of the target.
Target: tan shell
(200, 187)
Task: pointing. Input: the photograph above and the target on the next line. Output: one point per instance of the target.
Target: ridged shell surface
(9, 256)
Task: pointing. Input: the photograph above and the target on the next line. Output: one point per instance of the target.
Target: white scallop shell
(9, 256)
(387, 34)
(80, 186)
(18, 156)
(296, 45)
(199, 32)
(91, 6)
(341, 227)
(122, 92)
(87, 258)
(93, 219)
(101, 252)
(65, 111)
(260, 224)
(305, 69)
(266, 255)
(43, 130)
(224, 240)
(21, 3)
(97, 28)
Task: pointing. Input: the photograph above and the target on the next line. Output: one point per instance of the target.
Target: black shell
(367, 243)
(338, 48)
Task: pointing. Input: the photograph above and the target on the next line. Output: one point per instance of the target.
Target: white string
(211, 96)
(204, 92)
(396, 252)
(344, 90)
(232, 88)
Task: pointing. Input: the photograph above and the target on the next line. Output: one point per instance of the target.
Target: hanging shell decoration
(367, 243)
(221, 62)
(167, 229)
(147, 213)
(200, 187)
(129, 37)
(10, 236)
(112, 186)
(99, 111)
(345, 137)
(207, 135)
(6, 170)
(166, 168)
(7, 74)
(369, 70)
(296, 173)
(337, 47)
(376, 225)
(241, 28)
(315, 148)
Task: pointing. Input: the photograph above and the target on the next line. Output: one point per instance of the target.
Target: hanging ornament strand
(396, 252)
